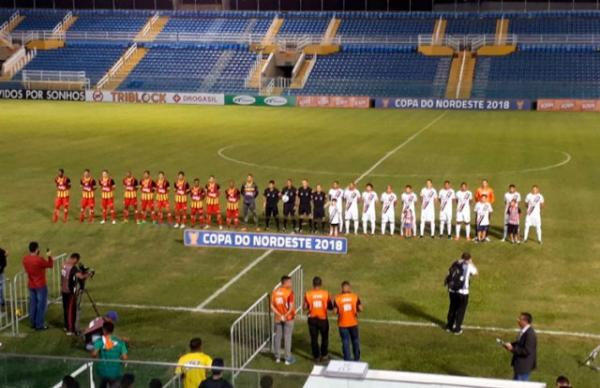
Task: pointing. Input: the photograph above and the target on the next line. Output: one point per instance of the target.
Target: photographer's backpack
(455, 280)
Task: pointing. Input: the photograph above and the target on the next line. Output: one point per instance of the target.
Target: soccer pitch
(146, 272)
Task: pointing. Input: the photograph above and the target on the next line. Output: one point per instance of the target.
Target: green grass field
(398, 280)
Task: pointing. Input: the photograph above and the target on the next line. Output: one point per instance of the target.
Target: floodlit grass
(396, 279)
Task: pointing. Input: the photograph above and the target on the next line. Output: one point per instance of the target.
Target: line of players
(314, 207)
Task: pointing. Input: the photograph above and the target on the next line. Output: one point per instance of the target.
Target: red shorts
(147, 204)
(88, 203)
(180, 206)
(160, 205)
(129, 202)
(61, 202)
(233, 214)
(197, 210)
(213, 209)
(108, 202)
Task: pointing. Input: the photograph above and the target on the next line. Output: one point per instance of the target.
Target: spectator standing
(155, 383)
(36, 266)
(127, 380)
(3, 263)
(524, 349)
(458, 281)
(191, 367)
(347, 306)
(216, 379)
(282, 304)
(110, 349)
(317, 301)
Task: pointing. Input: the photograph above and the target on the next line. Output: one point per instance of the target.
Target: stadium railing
(54, 79)
(87, 367)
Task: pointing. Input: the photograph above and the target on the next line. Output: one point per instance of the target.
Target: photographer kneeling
(72, 276)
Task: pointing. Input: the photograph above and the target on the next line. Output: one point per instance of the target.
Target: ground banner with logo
(49, 95)
(275, 241)
(137, 97)
(568, 105)
(356, 102)
(443, 103)
(246, 99)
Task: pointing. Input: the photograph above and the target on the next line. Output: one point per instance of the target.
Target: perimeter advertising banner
(137, 97)
(275, 241)
(568, 105)
(49, 95)
(356, 102)
(443, 103)
(246, 99)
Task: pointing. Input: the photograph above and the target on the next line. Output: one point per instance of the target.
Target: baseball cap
(112, 315)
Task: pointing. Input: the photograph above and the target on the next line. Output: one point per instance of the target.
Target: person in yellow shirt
(192, 366)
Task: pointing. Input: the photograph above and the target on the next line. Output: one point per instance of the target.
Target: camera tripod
(79, 296)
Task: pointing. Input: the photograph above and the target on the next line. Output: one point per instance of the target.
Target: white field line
(267, 253)
(233, 280)
(550, 332)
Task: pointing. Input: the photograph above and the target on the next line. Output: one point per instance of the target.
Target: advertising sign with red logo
(137, 97)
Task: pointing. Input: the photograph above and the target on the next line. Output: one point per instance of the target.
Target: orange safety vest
(282, 299)
(347, 306)
(489, 192)
(317, 301)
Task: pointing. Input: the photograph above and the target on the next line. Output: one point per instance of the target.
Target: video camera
(86, 271)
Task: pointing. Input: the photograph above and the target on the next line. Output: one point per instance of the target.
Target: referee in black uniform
(318, 200)
(304, 205)
(271, 201)
(289, 205)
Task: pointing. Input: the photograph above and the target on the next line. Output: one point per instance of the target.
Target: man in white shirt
(369, 199)
(388, 210)
(446, 197)
(535, 203)
(337, 193)
(511, 195)
(351, 197)
(463, 210)
(428, 197)
(483, 210)
(458, 282)
(409, 199)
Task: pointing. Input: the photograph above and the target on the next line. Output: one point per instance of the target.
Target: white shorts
(351, 214)
(388, 217)
(446, 216)
(463, 216)
(368, 216)
(533, 221)
(428, 216)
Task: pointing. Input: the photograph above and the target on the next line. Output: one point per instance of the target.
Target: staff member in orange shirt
(282, 304)
(317, 301)
(485, 189)
(347, 306)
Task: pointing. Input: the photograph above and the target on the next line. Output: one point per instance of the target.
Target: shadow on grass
(415, 311)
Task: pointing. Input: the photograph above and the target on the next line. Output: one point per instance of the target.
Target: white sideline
(267, 253)
(555, 333)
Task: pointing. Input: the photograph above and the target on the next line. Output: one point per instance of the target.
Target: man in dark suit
(524, 349)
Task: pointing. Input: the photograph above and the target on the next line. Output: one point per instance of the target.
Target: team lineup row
(339, 207)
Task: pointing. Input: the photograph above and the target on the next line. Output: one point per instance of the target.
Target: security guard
(347, 306)
(317, 301)
(271, 195)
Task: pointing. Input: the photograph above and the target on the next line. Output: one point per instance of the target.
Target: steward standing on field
(317, 301)
(249, 192)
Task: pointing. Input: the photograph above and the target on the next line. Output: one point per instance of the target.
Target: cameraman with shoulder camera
(72, 276)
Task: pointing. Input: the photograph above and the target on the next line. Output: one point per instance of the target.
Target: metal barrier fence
(89, 367)
(252, 332)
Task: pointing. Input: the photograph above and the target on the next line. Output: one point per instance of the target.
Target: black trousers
(457, 310)
(318, 326)
(69, 310)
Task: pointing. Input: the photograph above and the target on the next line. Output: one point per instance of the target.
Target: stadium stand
(470, 25)
(564, 24)
(382, 25)
(95, 23)
(300, 26)
(40, 20)
(206, 25)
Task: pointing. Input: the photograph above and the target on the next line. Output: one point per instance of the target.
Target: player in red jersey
(232, 194)
(182, 189)
(212, 202)
(63, 185)
(198, 194)
(88, 185)
(107, 187)
(130, 185)
(162, 198)
(147, 188)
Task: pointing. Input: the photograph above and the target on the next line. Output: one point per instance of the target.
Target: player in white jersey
(483, 210)
(369, 200)
(535, 203)
(351, 197)
(388, 210)
(409, 199)
(337, 193)
(428, 197)
(446, 197)
(511, 195)
(463, 210)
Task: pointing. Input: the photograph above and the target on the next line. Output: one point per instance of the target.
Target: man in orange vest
(282, 304)
(317, 301)
(347, 306)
